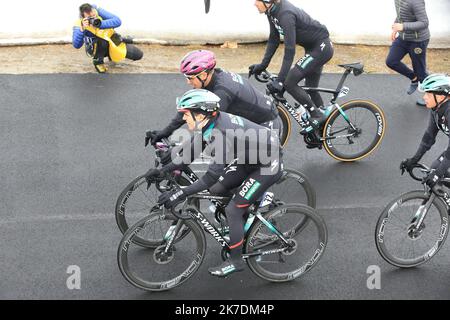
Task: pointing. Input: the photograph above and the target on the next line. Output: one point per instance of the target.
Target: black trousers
(309, 68)
(249, 183)
(102, 51)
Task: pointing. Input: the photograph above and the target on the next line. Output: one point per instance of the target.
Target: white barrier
(185, 21)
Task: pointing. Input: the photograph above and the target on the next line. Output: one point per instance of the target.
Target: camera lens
(96, 22)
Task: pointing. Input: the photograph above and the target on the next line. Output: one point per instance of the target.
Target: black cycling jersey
(237, 96)
(230, 139)
(439, 120)
(297, 27)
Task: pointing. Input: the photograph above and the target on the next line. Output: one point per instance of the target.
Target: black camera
(96, 22)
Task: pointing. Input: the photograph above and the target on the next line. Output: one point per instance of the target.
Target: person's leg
(309, 67)
(397, 52)
(101, 51)
(417, 54)
(133, 52)
(312, 81)
(249, 192)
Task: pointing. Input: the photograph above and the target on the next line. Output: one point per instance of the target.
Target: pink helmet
(197, 61)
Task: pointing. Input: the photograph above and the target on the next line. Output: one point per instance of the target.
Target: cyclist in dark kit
(297, 27)
(246, 169)
(237, 95)
(437, 99)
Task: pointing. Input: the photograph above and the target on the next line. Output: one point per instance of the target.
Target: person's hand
(256, 69)
(397, 27)
(408, 164)
(432, 179)
(84, 23)
(153, 136)
(275, 86)
(152, 175)
(393, 35)
(171, 199)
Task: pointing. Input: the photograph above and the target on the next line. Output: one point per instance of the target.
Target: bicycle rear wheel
(307, 246)
(286, 121)
(153, 269)
(356, 140)
(403, 246)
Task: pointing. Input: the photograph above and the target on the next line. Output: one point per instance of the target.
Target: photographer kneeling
(95, 29)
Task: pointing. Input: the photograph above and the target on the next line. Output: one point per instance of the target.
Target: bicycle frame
(339, 92)
(210, 228)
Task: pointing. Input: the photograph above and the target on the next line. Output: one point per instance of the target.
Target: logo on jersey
(236, 120)
(418, 50)
(322, 46)
(236, 78)
(249, 188)
(277, 25)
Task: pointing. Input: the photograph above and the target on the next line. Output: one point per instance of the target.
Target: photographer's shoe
(227, 268)
(101, 68)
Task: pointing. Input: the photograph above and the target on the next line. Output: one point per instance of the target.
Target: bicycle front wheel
(135, 202)
(399, 242)
(354, 131)
(276, 261)
(158, 269)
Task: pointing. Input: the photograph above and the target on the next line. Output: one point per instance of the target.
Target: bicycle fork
(416, 226)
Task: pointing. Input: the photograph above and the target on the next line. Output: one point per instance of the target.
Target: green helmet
(436, 83)
(199, 100)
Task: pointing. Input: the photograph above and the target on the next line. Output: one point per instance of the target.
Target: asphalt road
(70, 143)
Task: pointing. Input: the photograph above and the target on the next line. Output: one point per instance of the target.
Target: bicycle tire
(120, 208)
(317, 252)
(382, 224)
(329, 143)
(131, 277)
(287, 125)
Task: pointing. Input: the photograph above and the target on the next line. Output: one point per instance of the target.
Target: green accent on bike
(252, 190)
(268, 224)
(343, 113)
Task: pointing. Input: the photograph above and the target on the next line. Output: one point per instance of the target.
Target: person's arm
(289, 27)
(445, 163)
(191, 147)
(418, 9)
(272, 44)
(77, 37)
(226, 97)
(428, 139)
(110, 21)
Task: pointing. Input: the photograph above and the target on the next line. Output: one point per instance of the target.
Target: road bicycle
(413, 227)
(352, 131)
(136, 201)
(278, 245)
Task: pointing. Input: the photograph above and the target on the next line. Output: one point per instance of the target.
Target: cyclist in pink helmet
(237, 95)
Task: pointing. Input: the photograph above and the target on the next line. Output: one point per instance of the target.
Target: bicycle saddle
(357, 67)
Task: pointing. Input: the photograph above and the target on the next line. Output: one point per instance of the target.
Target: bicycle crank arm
(351, 135)
(262, 253)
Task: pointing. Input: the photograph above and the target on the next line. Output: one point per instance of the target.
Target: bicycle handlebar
(264, 76)
(423, 168)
